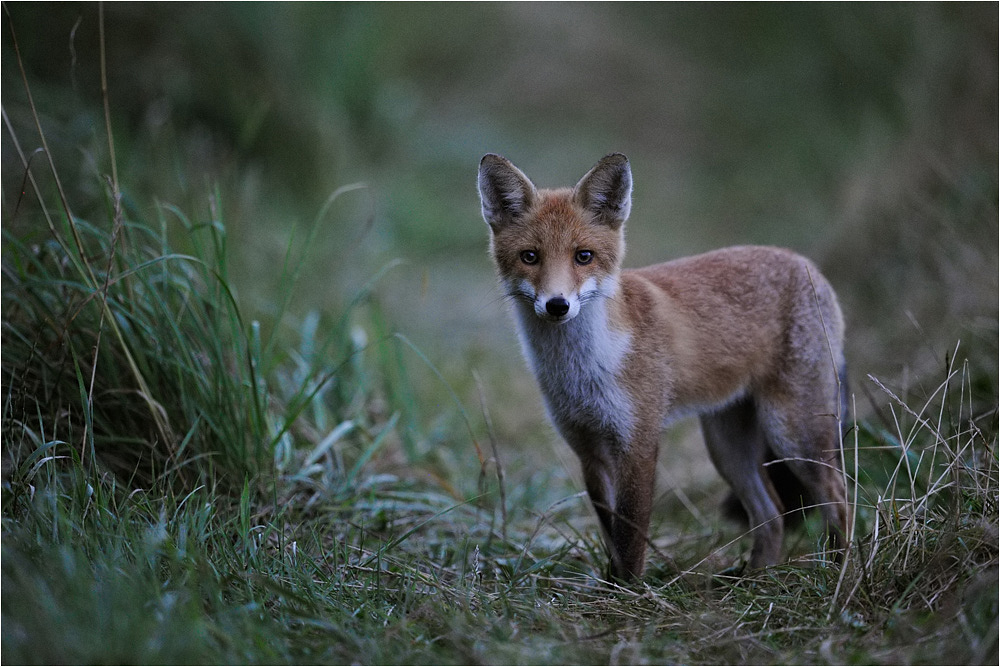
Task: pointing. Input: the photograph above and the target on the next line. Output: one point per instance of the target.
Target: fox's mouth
(563, 319)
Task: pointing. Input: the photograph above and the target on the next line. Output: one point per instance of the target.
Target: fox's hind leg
(738, 449)
(805, 436)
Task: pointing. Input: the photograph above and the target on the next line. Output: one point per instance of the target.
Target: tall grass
(391, 570)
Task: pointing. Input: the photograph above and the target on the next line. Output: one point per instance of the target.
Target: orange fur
(748, 338)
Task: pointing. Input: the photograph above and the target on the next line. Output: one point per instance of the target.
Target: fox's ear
(505, 192)
(606, 190)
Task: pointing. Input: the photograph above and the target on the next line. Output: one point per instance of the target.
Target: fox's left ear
(606, 190)
(505, 192)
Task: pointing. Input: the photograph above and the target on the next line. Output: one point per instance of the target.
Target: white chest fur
(577, 365)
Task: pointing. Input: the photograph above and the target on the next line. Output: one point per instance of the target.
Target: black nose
(557, 306)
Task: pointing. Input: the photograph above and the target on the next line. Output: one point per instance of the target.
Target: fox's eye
(529, 256)
(584, 256)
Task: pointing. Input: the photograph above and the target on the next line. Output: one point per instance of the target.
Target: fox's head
(557, 249)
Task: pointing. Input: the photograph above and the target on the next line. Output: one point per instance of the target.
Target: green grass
(325, 559)
(199, 469)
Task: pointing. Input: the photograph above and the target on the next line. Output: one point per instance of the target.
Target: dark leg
(738, 449)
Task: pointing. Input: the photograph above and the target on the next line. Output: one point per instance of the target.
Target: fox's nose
(557, 306)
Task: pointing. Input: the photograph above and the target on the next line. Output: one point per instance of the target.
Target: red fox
(748, 338)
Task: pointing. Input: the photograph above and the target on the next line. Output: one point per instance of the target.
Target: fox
(748, 338)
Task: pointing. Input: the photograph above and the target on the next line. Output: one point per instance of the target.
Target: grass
(328, 560)
(187, 483)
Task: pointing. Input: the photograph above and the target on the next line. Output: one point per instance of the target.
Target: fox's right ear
(606, 190)
(505, 192)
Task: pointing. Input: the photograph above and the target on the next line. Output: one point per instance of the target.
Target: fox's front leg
(598, 468)
(620, 480)
(598, 476)
(635, 476)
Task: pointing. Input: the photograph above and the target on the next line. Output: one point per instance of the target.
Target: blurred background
(862, 135)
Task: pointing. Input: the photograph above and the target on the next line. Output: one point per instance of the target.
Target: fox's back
(731, 316)
(736, 278)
